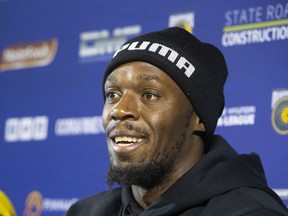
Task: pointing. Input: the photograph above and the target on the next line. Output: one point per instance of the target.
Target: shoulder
(246, 201)
(105, 203)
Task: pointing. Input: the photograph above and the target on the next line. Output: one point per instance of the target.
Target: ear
(196, 123)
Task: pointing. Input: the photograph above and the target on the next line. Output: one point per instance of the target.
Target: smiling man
(163, 96)
(149, 124)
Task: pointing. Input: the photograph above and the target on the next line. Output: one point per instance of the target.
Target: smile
(126, 143)
(125, 140)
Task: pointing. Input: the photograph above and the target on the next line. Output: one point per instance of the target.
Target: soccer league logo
(280, 111)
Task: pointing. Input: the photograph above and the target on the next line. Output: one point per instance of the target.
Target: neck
(144, 197)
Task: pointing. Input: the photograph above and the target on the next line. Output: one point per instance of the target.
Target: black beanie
(198, 68)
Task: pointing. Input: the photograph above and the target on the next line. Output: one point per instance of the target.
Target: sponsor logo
(100, 45)
(279, 116)
(252, 25)
(33, 204)
(36, 204)
(237, 116)
(168, 53)
(28, 55)
(79, 126)
(183, 20)
(26, 129)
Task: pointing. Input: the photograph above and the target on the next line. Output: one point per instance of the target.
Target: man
(163, 97)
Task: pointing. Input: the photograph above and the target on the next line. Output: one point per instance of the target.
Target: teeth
(127, 139)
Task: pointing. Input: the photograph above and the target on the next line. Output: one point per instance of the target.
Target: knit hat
(198, 68)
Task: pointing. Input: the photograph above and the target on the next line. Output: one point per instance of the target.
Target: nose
(126, 108)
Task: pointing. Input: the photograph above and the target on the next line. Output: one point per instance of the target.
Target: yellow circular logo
(280, 116)
(33, 204)
(6, 207)
(284, 115)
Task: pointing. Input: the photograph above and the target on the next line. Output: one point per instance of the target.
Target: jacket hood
(221, 170)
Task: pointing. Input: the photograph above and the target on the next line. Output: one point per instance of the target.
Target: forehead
(139, 71)
(142, 75)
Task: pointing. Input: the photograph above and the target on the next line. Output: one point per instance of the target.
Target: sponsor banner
(89, 42)
(36, 204)
(258, 24)
(79, 126)
(279, 106)
(26, 129)
(237, 116)
(23, 129)
(100, 45)
(28, 55)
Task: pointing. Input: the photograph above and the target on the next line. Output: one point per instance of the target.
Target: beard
(147, 174)
(144, 174)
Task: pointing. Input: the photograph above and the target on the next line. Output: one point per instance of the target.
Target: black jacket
(223, 183)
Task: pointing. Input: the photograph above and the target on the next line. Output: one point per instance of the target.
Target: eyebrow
(145, 77)
(111, 77)
(148, 77)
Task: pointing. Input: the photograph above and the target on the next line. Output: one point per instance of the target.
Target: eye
(111, 95)
(150, 96)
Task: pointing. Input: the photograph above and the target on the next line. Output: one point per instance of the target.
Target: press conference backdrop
(53, 54)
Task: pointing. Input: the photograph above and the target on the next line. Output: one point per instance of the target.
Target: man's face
(146, 118)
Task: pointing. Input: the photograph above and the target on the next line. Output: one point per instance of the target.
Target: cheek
(162, 129)
(167, 120)
(171, 126)
(105, 116)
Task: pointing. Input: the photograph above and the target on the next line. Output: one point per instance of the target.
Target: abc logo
(26, 129)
